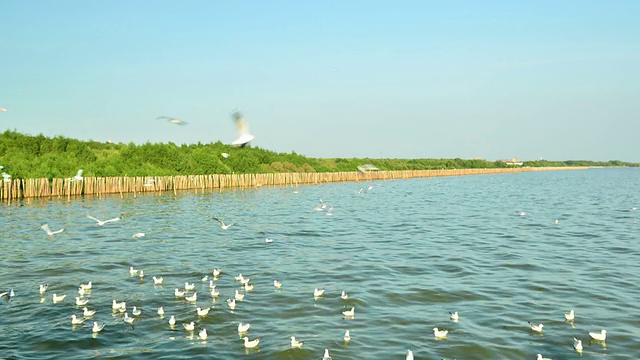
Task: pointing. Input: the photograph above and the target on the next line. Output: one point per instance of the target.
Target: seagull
(223, 226)
(75, 320)
(190, 326)
(248, 287)
(318, 292)
(135, 311)
(58, 298)
(570, 316)
(225, 155)
(245, 281)
(6, 177)
(43, 288)
(45, 227)
(329, 213)
(344, 295)
(81, 302)
(78, 176)
(100, 222)
(347, 337)
(215, 292)
(250, 344)
(193, 297)
(326, 355)
(577, 344)
(239, 296)
(189, 287)
(268, 241)
(161, 311)
(537, 328)
(87, 313)
(296, 343)
(440, 333)
(158, 281)
(202, 312)
(243, 328)
(211, 285)
(9, 294)
(96, 327)
(116, 305)
(244, 137)
(542, 358)
(172, 320)
(141, 275)
(87, 286)
(277, 284)
(454, 316)
(81, 291)
(231, 304)
(203, 334)
(3, 109)
(216, 272)
(205, 278)
(133, 271)
(172, 120)
(179, 293)
(349, 313)
(128, 320)
(239, 277)
(601, 336)
(137, 235)
(409, 355)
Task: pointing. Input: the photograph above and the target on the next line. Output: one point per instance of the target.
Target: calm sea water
(407, 253)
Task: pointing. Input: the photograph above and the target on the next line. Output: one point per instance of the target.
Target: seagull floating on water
(542, 358)
(43, 288)
(231, 304)
(9, 294)
(537, 328)
(58, 298)
(137, 235)
(87, 286)
(239, 296)
(133, 271)
(127, 319)
(158, 281)
(570, 316)
(192, 298)
(277, 284)
(600, 336)
(454, 316)
(326, 355)
(97, 327)
(141, 274)
(347, 337)
(81, 302)
(100, 222)
(75, 320)
(189, 287)
(409, 355)
(118, 305)
(243, 328)
(296, 343)
(87, 313)
(248, 287)
(203, 334)
(81, 291)
(216, 272)
(222, 224)
(161, 311)
(349, 313)
(45, 227)
(577, 344)
(179, 293)
(202, 312)
(344, 295)
(318, 292)
(440, 333)
(172, 320)
(135, 311)
(190, 326)
(215, 292)
(250, 344)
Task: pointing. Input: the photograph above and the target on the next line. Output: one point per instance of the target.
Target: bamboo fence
(98, 186)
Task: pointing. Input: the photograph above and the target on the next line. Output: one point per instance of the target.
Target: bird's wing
(79, 174)
(45, 227)
(92, 218)
(58, 231)
(218, 220)
(110, 220)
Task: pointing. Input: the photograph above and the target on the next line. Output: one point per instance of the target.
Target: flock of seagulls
(244, 135)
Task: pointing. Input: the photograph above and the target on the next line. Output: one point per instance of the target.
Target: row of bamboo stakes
(98, 186)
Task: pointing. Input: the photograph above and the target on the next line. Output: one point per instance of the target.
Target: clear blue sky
(398, 79)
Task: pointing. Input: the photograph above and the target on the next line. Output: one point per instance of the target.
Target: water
(408, 252)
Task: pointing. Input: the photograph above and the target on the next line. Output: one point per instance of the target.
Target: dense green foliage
(26, 156)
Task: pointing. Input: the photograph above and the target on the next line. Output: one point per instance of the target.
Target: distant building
(513, 161)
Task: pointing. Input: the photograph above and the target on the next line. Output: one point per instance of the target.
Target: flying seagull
(172, 120)
(78, 176)
(223, 225)
(45, 227)
(3, 109)
(100, 222)
(244, 137)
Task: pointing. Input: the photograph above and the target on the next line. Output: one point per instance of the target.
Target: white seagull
(570, 316)
(231, 304)
(141, 275)
(172, 120)
(222, 224)
(215, 292)
(158, 281)
(138, 235)
(600, 336)
(409, 355)
(202, 312)
(161, 311)
(133, 271)
(43, 288)
(239, 277)
(189, 287)
(318, 292)
(100, 222)
(577, 344)
(81, 291)
(277, 284)
(349, 313)
(244, 137)
(239, 296)
(179, 293)
(347, 336)
(45, 227)
(87, 313)
(542, 358)
(117, 306)
(536, 328)
(296, 343)
(216, 272)
(250, 344)
(440, 333)
(190, 326)
(326, 355)
(75, 320)
(344, 295)
(193, 297)
(203, 334)
(87, 286)
(172, 320)
(97, 327)
(81, 302)
(454, 316)
(135, 311)
(243, 328)
(78, 176)
(248, 287)
(128, 320)
(58, 298)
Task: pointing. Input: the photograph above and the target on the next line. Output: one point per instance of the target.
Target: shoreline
(97, 186)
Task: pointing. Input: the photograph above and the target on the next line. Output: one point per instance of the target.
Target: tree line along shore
(39, 157)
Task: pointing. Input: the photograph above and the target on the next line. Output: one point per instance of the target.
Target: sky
(558, 80)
